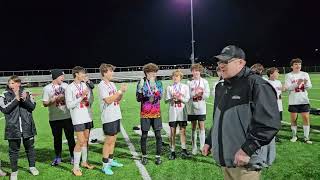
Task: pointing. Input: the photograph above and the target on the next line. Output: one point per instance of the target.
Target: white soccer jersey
(177, 110)
(109, 112)
(276, 84)
(298, 94)
(58, 110)
(197, 105)
(78, 106)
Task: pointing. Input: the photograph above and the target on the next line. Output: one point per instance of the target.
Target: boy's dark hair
(14, 78)
(76, 70)
(295, 60)
(257, 68)
(271, 71)
(150, 67)
(105, 68)
(197, 67)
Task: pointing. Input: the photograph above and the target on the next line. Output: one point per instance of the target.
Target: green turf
(294, 160)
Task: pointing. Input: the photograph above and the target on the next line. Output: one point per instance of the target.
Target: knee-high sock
(202, 137)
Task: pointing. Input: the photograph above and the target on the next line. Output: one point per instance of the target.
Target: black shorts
(111, 128)
(82, 127)
(196, 117)
(145, 123)
(176, 123)
(299, 108)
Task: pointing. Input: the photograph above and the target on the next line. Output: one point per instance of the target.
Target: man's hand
(241, 158)
(300, 81)
(206, 150)
(85, 92)
(24, 95)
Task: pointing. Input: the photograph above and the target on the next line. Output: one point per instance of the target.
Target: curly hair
(150, 67)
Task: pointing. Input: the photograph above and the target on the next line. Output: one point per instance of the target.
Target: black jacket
(246, 116)
(18, 115)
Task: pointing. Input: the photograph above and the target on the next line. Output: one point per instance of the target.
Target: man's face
(14, 85)
(231, 68)
(196, 73)
(60, 79)
(296, 67)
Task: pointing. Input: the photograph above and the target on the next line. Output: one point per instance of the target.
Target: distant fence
(131, 73)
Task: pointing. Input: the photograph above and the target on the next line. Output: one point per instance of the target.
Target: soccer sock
(105, 162)
(77, 156)
(110, 158)
(84, 151)
(183, 146)
(306, 131)
(202, 135)
(294, 131)
(173, 147)
(194, 139)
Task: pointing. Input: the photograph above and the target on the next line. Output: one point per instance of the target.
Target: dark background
(52, 34)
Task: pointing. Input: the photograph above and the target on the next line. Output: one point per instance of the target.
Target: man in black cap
(59, 115)
(246, 117)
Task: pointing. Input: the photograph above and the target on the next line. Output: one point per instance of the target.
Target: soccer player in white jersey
(273, 75)
(177, 95)
(59, 115)
(110, 115)
(77, 100)
(297, 83)
(199, 92)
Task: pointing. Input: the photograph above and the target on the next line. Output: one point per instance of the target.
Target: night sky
(52, 34)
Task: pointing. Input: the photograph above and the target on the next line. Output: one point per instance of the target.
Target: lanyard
(110, 87)
(58, 90)
(195, 83)
(176, 89)
(149, 88)
(79, 88)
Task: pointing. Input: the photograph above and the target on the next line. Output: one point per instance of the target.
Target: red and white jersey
(298, 94)
(276, 84)
(78, 106)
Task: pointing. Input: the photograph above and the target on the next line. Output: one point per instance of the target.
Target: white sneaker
(34, 171)
(14, 176)
(194, 151)
(307, 141)
(294, 139)
(2, 173)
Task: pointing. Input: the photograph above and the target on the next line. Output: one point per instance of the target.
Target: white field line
(143, 171)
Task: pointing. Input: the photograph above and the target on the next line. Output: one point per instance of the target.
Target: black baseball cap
(230, 52)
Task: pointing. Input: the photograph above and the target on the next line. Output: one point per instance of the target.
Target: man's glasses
(226, 61)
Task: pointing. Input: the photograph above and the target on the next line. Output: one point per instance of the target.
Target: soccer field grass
(293, 161)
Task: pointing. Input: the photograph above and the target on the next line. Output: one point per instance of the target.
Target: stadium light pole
(192, 35)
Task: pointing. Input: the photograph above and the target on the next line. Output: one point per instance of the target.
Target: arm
(168, 95)
(206, 92)
(186, 95)
(139, 94)
(288, 84)
(308, 84)
(9, 107)
(29, 103)
(70, 102)
(265, 122)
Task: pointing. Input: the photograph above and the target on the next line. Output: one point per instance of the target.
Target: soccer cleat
(87, 165)
(115, 163)
(56, 161)
(144, 160)
(185, 154)
(34, 171)
(158, 161)
(294, 139)
(172, 155)
(107, 170)
(77, 172)
(307, 141)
